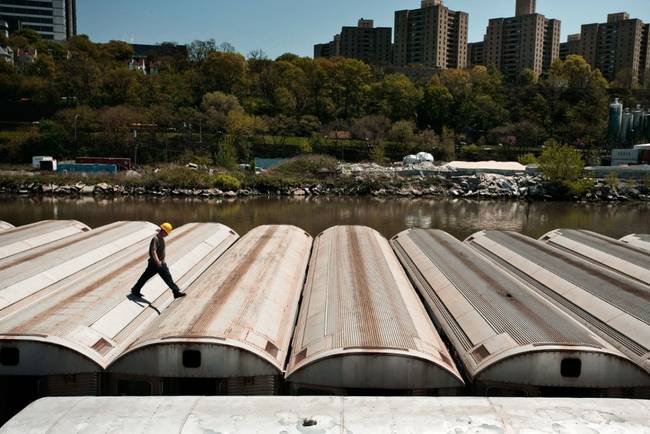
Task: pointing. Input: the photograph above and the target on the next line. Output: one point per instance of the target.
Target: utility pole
(76, 117)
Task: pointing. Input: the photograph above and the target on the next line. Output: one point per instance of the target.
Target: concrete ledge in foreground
(330, 415)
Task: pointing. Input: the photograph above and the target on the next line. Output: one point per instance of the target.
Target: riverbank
(321, 176)
(489, 186)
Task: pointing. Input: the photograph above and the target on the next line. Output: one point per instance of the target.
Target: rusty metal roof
(613, 306)
(500, 327)
(361, 323)
(4, 226)
(85, 320)
(642, 241)
(604, 251)
(239, 314)
(27, 273)
(23, 238)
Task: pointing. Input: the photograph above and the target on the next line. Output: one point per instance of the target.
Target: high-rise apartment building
(570, 47)
(52, 19)
(432, 36)
(365, 42)
(525, 7)
(527, 41)
(475, 53)
(619, 47)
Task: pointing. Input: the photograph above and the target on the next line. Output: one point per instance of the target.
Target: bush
(527, 159)
(612, 180)
(179, 177)
(563, 166)
(271, 182)
(226, 182)
(306, 166)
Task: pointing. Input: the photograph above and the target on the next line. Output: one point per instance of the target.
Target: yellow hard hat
(167, 227)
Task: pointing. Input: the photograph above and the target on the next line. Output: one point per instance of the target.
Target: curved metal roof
(239, 314)
(613, 306)
(4, 226)
(604, 251)
(27, 273)
(86, 320)
(642, 241)
(500, 328)
(22, 238)
(329, 414)
(361, 323)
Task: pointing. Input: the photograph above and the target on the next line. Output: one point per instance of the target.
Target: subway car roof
(642, 241)
(238, 316)
(82, 322)
(502, 330)
(17, 240)
(361, 323)
(5, 226)
(615, 307)
(607, 252)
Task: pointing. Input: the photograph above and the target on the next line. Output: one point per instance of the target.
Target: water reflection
(459, 217)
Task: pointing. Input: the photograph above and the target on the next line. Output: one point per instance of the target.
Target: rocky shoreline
(481, 186)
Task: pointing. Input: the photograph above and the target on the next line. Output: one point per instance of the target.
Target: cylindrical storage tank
(236, 322)
(637, 121)
(81, 323)
(641, 241)
(615, 119)
(607, 252)
(26, 274)
(4, 226)
(609, 304)
(646, 127)
(17, 240)
(627, 127)
(510, 339)
(362, 327)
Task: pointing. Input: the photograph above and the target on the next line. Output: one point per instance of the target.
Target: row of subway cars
(348, 312)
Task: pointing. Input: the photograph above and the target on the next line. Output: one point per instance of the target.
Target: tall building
(475, 53)
(364, 42)
(525, 7)
(432, 36)
(527, 41)
(619, 47)
(52, 19)
(570, 47)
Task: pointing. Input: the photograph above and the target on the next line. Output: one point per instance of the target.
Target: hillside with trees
(219, 107)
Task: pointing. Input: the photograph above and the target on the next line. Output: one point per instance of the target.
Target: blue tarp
(86, 168)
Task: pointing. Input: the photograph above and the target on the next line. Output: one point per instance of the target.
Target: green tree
(563, 166)
(350, 85)
(395, 96)
(222, 71)
(402, 133)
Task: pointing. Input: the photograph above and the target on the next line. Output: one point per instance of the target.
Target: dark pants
(152, 270)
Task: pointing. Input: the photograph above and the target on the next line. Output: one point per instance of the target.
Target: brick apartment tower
(432, 36)
(526, 41)
(364, 42)
(618, 47)
(526, 7)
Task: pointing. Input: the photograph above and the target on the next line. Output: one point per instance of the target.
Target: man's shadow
(141, 301)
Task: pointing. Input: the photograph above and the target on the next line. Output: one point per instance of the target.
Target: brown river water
(459, 217)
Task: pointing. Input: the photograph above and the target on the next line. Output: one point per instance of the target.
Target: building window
(192, 359)
(571, 368)
(9, 356)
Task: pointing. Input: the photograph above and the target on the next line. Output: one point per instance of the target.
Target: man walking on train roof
(157, 265)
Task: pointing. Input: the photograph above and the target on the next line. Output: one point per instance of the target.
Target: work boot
(179, 295)
(136, 294)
